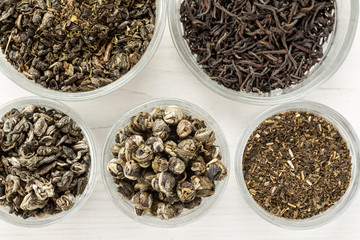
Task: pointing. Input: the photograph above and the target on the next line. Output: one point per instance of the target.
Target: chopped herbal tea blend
(257, 46)
(296, 165)
(166, 161)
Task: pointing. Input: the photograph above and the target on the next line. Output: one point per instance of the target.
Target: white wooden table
(167, 76)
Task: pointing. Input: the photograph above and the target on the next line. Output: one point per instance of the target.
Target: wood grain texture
(231, 218)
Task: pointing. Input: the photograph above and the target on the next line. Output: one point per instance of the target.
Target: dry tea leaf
(296, 165)
(255, 45)
(45, 162)
(165, 161)
(77, 45)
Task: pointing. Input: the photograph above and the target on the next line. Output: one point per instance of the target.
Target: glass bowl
(81, 199)
(10, 72)
(349, 135)
(347, 13)
(188, 215)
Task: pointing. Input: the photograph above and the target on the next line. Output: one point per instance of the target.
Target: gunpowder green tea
(166, 161)
(45, 161)
(75, 45)
(296, 165)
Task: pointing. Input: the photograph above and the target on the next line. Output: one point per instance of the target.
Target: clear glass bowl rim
(182, 48)
(348, 134)
(84, 197)
(29, 85)
(207, 203)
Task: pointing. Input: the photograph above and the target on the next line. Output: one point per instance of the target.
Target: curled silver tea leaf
(203, 185)
(161, 129)
(216, 170)
(176, 165)
(132, 170)
(156, 144)
(205, 135)
(142, 201)
(186, 191)
(187, 149)
(160, 164)
(173, 115)
(184, 128)
(66, 201)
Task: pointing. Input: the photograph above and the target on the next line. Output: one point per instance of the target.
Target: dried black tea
(166, 162)
(45, 162)
(296, 165)
(75, 45)
(257, 46)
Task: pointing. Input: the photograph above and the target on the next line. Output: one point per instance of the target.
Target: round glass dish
(347, 13)
(349, 135)
(80, 200)
(188, 215)
(9, 71)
